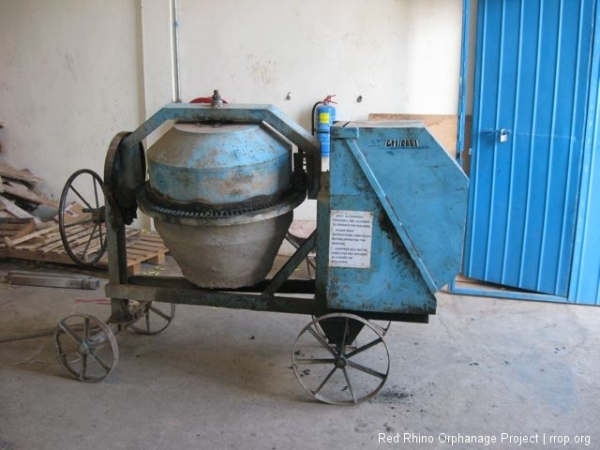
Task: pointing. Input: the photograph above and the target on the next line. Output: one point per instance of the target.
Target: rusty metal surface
(124, 173)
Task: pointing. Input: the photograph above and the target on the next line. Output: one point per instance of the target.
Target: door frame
(589, 163)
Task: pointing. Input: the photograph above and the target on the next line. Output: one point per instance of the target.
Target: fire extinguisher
(323, 116)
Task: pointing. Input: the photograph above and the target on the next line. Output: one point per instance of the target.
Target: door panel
(532, 77)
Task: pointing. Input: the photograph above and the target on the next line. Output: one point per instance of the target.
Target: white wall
(70, 74)
(399, 55)
(73, 73)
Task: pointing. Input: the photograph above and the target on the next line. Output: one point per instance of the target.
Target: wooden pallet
(146, 247)
(46, 246)
(11, 229)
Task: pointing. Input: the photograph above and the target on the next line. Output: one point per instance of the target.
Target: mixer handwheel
(338, 370)
(86, 347)
(155, 317)
(83, 233)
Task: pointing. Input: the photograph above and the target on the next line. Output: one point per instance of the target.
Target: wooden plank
(34, 255)
(51, 279)
(151, 236)
(132, 251)
(10, 206)
(17, 231)
(158, 259)
(152, 247)
(22, 191)
(94, 248)
(132, 235)
(33, 235)
(133, 268)
(82, 246)
(25, 175)
(11, 227)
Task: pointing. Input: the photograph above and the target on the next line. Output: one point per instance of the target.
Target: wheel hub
(340, 362)
(83, 349)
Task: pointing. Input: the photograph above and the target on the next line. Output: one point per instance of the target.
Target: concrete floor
(221, 379)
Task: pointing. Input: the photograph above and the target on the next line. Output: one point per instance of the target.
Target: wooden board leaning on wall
(443, 127)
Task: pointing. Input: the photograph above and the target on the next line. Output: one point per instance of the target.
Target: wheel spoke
(342, 348)
(159, 313)
(86, 329)
(315, 361)
(147, 317)
(349, 385)
(65, 328)
(98, 361)
(364, 347)
(64, 355)
(84, 364)
(366, 370)
(325, 381)
(101, 238)
(322, 341)
(96, 192)
(87, 246)
(81, 197)
(96, 340)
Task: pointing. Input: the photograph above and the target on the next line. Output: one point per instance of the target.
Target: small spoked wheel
(384, 326)
(82, 230)
(335, 367)
(86, 347)
(154, 318)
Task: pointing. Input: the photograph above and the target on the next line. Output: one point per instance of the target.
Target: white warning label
(350, 239)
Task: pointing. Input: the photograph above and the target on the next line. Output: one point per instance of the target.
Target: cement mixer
(222, 185)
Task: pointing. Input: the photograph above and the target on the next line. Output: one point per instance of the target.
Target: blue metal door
(532, 76)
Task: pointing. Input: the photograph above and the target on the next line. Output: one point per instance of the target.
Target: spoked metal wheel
(155, 317)
(384, 326)
(86, 347)
(335, 370)
(82, 230)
